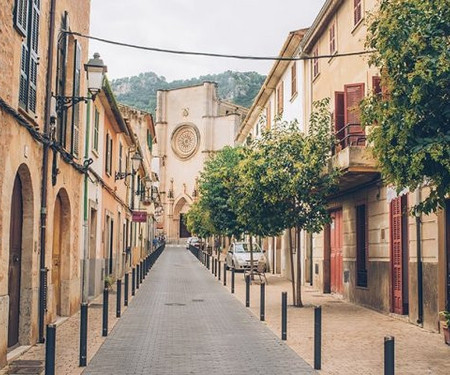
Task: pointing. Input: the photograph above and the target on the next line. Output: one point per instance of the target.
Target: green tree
(412, 139)
(285, 180)
(217, 185)
(198, 220)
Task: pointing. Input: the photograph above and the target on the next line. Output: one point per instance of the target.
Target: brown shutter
(357, 11)
(339, 115)
(396, 255)
(376, 85)
(294, 79)
(353, 94)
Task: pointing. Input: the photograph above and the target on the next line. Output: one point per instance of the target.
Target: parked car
(193, 241)
(238, 255)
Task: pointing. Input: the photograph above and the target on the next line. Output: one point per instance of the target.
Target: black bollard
(225, 273)
(133, 281)
(50, 349)
(283, 315)
(247, 290)
(213, 264)
(389, 355)
(137, 276)
(215, 267)
(141, 276)
(125, 292)
(317, 338)
(262, 303)
(83, 334)
(218, 270)
(232, 280)
(119, 298)
(105, 312)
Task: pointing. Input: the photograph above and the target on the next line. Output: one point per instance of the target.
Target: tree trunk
(291, 254)
(299, 271)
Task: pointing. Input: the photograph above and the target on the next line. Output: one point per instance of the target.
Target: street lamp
(95, 70)
(136, 161)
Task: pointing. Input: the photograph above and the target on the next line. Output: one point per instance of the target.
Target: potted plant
(446, 326)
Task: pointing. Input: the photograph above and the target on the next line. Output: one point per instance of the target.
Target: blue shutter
(21, 16)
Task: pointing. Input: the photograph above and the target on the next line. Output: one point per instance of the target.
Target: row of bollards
(214, 265)
(137, 275)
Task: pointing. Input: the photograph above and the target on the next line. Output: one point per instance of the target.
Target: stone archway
(60, 263)
(20, 278)
(181, 208)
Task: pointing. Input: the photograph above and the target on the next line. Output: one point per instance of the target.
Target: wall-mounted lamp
(95, 70)
(136, 161)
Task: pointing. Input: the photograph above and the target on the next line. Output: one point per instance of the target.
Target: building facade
(191, 124)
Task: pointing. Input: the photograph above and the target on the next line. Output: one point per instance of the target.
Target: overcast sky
(240, 27)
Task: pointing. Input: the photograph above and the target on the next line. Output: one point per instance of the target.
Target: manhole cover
(198, 300)
(175, 304)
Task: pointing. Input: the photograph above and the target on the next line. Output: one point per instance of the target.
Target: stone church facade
(191, 124)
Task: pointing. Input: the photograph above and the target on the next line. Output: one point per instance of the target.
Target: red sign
(139, 216)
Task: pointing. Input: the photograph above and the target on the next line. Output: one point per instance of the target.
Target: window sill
(30, 116)
(356, 27)
(330, 60)
(315, 77)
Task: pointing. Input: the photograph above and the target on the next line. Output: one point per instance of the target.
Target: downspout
(43, 218)
(419, 262)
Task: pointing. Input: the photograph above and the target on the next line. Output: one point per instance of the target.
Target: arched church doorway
(184, 233)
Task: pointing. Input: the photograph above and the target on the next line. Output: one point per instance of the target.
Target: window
(269, 116)
(339, 116)
(26, 20)
(315, 62)
(149, 140)
(96, 129)
(280, 98)
(293, 79)
(376, 85)
(120, 156)
(75, 145)
(361, 246)
(357, 11)
(108, 154)
(333, 38)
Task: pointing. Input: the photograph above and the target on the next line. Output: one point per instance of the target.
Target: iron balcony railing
(351, 134)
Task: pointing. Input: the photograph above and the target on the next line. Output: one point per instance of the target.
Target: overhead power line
(209, 54)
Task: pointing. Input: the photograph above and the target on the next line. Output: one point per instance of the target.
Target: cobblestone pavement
(183, 322)
(352, 336)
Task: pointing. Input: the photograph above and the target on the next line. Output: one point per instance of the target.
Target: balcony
(353, 158)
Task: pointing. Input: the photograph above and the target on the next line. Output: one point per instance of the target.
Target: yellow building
(373, 253)
(42, 165)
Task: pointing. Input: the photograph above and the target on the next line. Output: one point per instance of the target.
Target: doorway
(399, 255)
(56, 254)
(184, 233)
(336, 257)
(15, 262)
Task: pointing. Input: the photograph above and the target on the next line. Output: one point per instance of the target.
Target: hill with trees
(140, 91)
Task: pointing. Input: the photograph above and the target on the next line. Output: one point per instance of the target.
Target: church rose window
(185, 141)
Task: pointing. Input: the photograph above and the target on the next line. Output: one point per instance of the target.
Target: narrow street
(183, 322)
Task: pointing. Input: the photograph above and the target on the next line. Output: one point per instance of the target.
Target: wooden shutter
(280, 98)
(76, 93)
(294, 79)
(396, 255)
(23, 85)
(268, 116)
(21, 16)
(333, 38)
(353, 94)
(107, 155)
(376, 85)
(357, 11)
(34, 55)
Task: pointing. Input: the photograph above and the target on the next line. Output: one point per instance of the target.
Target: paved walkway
(183, 322)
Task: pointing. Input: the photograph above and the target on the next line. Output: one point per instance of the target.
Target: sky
(239, 27)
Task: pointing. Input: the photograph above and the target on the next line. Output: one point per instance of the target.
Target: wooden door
(447, 241)
(15, 258)
(56, 254)
(398, 256)
(336, 258)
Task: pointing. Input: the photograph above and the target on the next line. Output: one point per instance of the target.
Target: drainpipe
(419, 262)
(43, 218)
